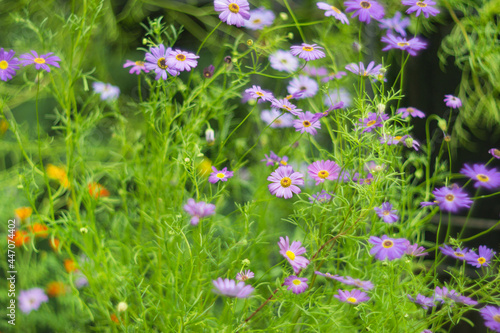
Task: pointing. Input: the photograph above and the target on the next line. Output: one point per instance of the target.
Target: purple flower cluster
(163, 60)
(480, 259)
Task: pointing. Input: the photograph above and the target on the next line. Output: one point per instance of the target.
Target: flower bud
(84, 230)
(409, 142)
(210, 136)
(228, 60)
(284, 16)
(187, 160)
(290, 35)
(122, 306)
(249, 42)
(245, 262)
(442, 124)
(356, 47)
(144, 41)
(381, 108)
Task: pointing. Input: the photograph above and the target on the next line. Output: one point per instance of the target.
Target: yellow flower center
(482, 178)
(335, 9)
(285, 182)
(283, 163)
(139, 63)
(370, 123)
(397, 137)
(352, 300)
(220, 175)
(306, 123)
(307, 48)
(496, 152)
(259, 93)
(180, 57)
(257, 21)
(481, 260)
(365, 73)
(234, 8)
(278, 122)
(421, 4)
(296, 282)
(290, 255)
(365, 4)
(39, 60)
(161, 63)
(410, 110)
(403, 44)
(458, 254)
(4, 64)
(496, 318)
(387, 244)
(385, 212)
(323, 174)
(286, 107)
(449, 197)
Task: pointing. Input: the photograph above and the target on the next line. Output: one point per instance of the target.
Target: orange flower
(96, 190)
(20, 237)
(114, 319)
(23, 213)
(55, 289)
(70, 265)
(59, 174)
(40, 230)
(54, 244)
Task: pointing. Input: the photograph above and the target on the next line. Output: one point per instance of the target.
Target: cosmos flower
(243, 276)
(482, 259)
(137, 67)
(307, 52)
(390, 248)
(56, 289)
(495, 152)
(366, 9)
(23, 213)
(373, 120)
(39, 230)
(31, 299)
(156, 60)
(198, 210)
(411, 46)
(421, 6)
(425, 302)
(292, 253)
(354, 296)
(20, 238)
(257, 92)
(40, 62)
(387, 213)
(230, 288)
(97, 190)
(410, 112)
(483, 177)
(304, 84)
(452, 199)
(333, 11)
(321, 197)
(259, 18)
(181, 60)
(284, 61)
(233, 12)
(284, 104)
(307, 122)
(107, 91)
(491, 316)
(457, 253)
(335, 96)
(366, 285)
(284, 182)
(8, 64)
(415, 250)
(452, 101)
(271, 159)
(396, 23)
(321, 170)
(219, 175)
(276, 119)
(371, 69)
(295, 284)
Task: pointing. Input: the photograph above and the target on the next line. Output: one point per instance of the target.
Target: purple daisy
(233, 12)
(307, 122)
(257, 92)
(411, 45)
(425, 302)
(371, 69)
(487, 178)
(259, 18)
(284, 104)
(397, 23)
(292, 253)
(198, 210)
(366, 285)
(366, 9)
(415, 250)
(443, 294)
(337, 106)
(8, 65)
(243, 276)
(307, 52)
(284, 61)
(387, 213)
(271, 159)
(491, 316)
(284, 182)
(333, 11)
(321, 170)
(452, 101)
(295, 284)
(354, 296)
(315, 71)
(137, 67)
(40, 62)
(181, 60)
(333, 75)
(156, 61)
(373, 120)
(452, 199)
(457, 253)
(321, 197)
(304, 84)
(482, 259)
(31, 299)
(392, 140)
(219, 175)
(106, 90)
(230, 288)
(390, 248)
(410, 112)
(421, 6)
(276, 119)
(495, 152)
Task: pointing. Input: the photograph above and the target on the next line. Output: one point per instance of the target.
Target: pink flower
(293, 253)
(321, 170)
(284, 182)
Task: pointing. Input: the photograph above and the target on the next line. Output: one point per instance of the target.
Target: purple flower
(483, 177)
(8, 65)
(390, 248)
(181, 60)
(360, 70)
(243, 276)
(335, 96)
(156, 60)
(425, 302)
(410, 46)
(366, 9)
(283, 61)
(321, 170)
(387, 213)
(257, 92)
(307, 122)
(277, 119)
(442, 294)
(333, 75)
(452, 101)
(40, 62)
(259, 18)
(106, 90)
(295, 284)
(374, 167)
(495, 153)
(31, 299)
(366, 285)
(81, 281)
(229, 288)
(415, 250)
(354, 296)
(333, 11)
(457, 254)
(321, 197)
(208, 72)
(482, 259)
(198, 210)
(271, 159)
(451, 200)
(219, 175)
(284, 104)
(373, 120)
(315, 71)
(337, 106)
(410, 112)
(293, 253)
(396, 23)
(284, 182)
(421, 6)
(137, 67)
(304, 84)
(308, 52)
(466, 300)
(233, 12)
(491, 316)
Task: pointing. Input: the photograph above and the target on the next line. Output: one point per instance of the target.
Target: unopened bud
(284, 16)
(210, 136)
(447, 138)
(290, 35)
(442, 124)
(249, 42)
(228, 59)
(409, 142)
(381, 108)
(356, 47)
(245, 262)
(419, 173)
(84, 230)
(122, 306)
(144, 41)
(187, 160)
